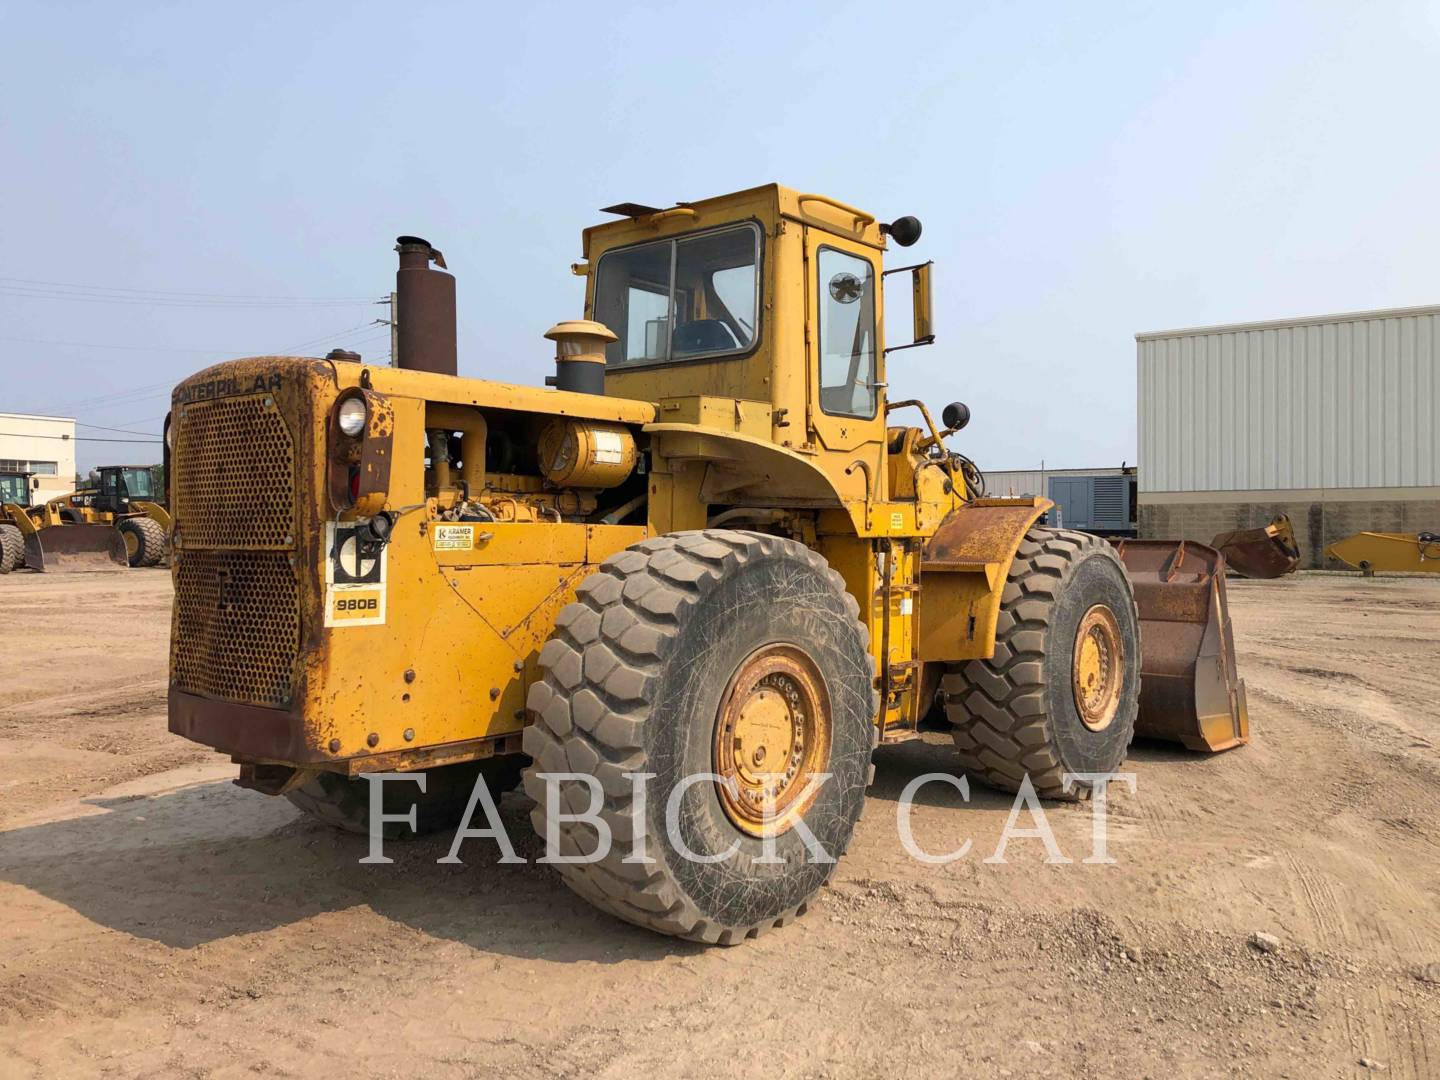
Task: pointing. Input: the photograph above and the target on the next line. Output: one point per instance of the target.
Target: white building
(43, 445)
(1333, 420)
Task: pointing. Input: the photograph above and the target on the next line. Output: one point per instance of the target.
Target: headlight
(351, 417)
(169, 435)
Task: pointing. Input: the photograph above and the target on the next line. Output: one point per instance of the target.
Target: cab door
(846, 360)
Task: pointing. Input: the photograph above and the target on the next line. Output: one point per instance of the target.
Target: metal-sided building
(43, 445)
(1333, 420)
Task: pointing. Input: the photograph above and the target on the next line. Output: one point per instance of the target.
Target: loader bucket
(67, 549)
(1189, 690)
(1269, 552)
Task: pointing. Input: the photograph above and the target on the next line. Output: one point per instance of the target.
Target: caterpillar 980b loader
(712, 554)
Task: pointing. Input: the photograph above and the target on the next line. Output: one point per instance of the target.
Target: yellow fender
(155, 512)
(963, 571)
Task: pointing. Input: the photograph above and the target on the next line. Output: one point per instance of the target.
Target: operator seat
(702, 336)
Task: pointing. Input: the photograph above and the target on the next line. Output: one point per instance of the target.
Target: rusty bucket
(67, 549)
(1268, 552)
(1189, 690)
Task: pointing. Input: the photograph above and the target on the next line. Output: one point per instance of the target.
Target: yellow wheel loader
(111, 526)
(695, 583)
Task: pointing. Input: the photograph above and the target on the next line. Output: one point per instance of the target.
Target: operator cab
(759, 313)
(15, 489)
(120, 484)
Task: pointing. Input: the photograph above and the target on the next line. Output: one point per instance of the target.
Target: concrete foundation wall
(1318, 521)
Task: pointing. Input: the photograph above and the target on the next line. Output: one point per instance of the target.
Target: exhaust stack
(425, 309)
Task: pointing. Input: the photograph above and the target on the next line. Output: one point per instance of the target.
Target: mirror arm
(912, 345)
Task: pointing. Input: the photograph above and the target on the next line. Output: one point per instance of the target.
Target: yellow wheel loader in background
(112, 526)
(715, 554)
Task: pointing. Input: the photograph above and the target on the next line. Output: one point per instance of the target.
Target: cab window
(138, 483)
(847, 334)
(681, 299)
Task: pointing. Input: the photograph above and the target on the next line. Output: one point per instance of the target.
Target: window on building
(39, 468)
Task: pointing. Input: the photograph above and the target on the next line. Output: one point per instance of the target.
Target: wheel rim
(132, 543)
(1098, 668)
(772, 735)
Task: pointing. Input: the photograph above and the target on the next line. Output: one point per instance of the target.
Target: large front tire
(1061, 691)
(721, 653)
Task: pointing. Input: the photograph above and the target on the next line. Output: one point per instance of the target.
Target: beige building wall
(44, 445)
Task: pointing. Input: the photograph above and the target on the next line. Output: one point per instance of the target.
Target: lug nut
(334, 746)
(410, 674)
(494, 692)
(409, 734)
(372, 739)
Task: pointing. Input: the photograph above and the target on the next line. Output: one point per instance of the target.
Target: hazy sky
(1083, 172)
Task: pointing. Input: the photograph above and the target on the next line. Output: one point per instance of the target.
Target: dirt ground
(156, 920)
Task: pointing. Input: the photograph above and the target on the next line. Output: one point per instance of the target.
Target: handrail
(861, 217)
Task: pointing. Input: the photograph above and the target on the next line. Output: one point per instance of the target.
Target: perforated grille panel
(237, 625)
(234, 465)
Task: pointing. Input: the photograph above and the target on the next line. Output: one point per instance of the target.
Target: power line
(130, 348)
(182, 293)
(102, 427)
(136, 394)
(22, 292)
(80, 438)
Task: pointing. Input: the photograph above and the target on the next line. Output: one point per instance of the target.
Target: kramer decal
(354, 578)
(454, 537)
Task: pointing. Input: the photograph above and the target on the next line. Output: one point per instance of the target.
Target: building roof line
(1279, 324)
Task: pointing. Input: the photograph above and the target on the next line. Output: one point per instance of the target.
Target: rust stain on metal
(1267, 552)
(1189, 690)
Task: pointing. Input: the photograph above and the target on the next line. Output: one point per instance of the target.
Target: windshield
(138, 484)
(680, 299)
(13, 490)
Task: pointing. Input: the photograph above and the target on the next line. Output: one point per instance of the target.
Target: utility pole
(394, 323)
(394, 331)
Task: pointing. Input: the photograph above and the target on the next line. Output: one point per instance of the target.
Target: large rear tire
(702, 655)
(1061, 691)
(345, 803)
(12, 548)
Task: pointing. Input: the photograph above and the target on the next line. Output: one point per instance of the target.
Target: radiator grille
(237, 625)
(234, 465)
(1110, 509)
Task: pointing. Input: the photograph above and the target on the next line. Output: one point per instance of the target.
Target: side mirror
(956, 415)
(921, 307)
(924, 324)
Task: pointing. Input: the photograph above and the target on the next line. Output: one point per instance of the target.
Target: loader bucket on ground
(1268, 552)
(67, 549)
(1189, 690)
